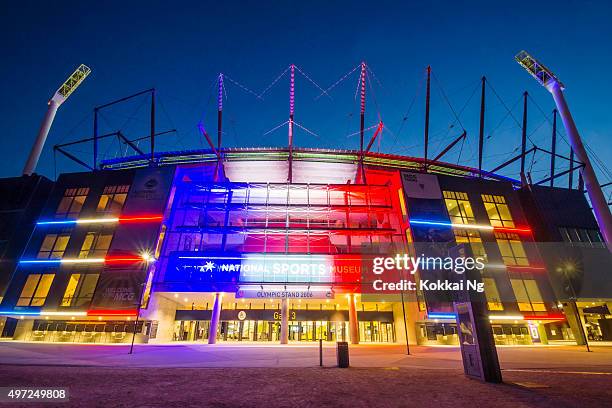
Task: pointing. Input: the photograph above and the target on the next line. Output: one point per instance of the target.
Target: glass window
(71, 204)
(459, 207)
(473, 238)
(28, 290)
(53, 246)
(492, 294)
(80, 289)
(95, 245)
(527, 295)
(565, 234)
(113, 198)
(595, 236)
(520, 293)
(534, 295)
(497, 210)
(511, 249)
(35, 290)
(70, 289)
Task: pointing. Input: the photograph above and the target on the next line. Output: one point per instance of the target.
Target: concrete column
(412, 312)
(214, 319)
(542, 333)
(353, 322)
(575, 323)
(162, 311)
(284, 332)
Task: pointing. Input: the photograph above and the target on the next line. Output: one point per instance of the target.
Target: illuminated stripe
(125, 219)
(63, 313)
(110, 312)
(18, 313)
(472, 226)
(140, 218)
(402, 202)
(517, 268)
(441, 316)
(506, 317)
(449, 224)
(61, 261)
(516, 230)
(106, 260)
(546, 317)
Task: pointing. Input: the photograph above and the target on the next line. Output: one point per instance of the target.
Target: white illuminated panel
(323, 173)
(276, 171)
(256, 171)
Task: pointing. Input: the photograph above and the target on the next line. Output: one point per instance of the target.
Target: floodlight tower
(58, 98)
(546, 77)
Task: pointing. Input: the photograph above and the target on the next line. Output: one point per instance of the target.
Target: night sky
(180, 48)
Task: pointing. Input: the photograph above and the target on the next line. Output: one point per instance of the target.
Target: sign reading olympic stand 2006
(256, 292)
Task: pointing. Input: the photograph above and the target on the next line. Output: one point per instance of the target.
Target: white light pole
(58, 98)
(546, 78)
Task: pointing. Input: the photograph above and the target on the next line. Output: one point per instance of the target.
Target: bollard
(320, 352)
(342, 354)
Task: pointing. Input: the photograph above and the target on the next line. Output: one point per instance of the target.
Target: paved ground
(294, 355)
(288, 376)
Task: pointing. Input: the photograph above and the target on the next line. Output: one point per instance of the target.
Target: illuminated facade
(194, 251)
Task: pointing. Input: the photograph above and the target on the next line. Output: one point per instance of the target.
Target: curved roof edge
(299, 154)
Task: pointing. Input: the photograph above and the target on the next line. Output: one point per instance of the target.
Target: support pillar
(575, 323)
(353, 322)
(284, 332)
(214, 319)
(481, 129)
(553, 149)
(542, 333)
(163, 311)
(524, 137)
(427, 98)
(152, 125)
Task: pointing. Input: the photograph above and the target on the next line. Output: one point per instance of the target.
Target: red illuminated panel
(522, 230)
(346, 273)
(123, 259)
(140, 218)
(525, 268)
(111, 312)
(546, 317)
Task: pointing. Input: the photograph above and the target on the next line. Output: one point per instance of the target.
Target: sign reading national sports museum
(234, 269)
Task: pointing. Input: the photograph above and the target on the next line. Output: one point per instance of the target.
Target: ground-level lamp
(60, 96)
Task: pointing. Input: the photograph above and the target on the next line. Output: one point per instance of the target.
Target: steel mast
(546, 78)
(54, 103)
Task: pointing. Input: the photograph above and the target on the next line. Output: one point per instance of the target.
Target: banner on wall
(419, 185)
(118, 289)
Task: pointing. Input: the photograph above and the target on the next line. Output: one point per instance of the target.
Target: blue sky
(133, 45)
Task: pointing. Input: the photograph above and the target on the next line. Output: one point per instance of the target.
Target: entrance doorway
(376, 332)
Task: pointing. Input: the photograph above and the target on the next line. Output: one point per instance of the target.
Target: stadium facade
(186, 247)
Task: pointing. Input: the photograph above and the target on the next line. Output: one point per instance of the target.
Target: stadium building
(252, 257)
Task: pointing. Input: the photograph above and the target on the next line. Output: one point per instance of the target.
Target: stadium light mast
(291, 112)
(546, 78)
(60, 96)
